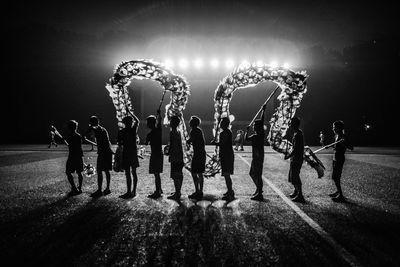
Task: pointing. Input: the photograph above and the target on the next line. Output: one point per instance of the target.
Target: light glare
(229, 63)
(198, 63)
(274, 64)
(183, 63)
(214, 63)
(168, 63)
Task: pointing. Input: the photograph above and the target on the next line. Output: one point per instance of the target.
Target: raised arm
(246, 135)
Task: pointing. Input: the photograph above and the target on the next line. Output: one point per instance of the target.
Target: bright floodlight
(214, 63)
(274, 64)
(183, 63)
(198, 63)
(286, 65)
(168, 63)
(229, 63)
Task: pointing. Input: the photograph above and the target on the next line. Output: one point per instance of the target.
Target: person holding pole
(104, 155)
(257, 143)
(340, 146)
(226, 156)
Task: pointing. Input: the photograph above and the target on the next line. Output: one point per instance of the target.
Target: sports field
(41, 226)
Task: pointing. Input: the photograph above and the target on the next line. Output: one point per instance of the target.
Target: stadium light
(183, 63)
(214, 63)
(198, 63)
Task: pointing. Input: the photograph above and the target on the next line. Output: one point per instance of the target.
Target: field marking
(347, 256)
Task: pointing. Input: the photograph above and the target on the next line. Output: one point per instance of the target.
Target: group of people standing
(127, 141)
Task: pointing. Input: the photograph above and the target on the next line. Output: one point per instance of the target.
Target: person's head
(127, 121)
(295, 123)
(72, 125)
(338, 127)
(194, 121)
(258, 126)
(174, 122)
(94, 121)
(224, 124)
(151, 121)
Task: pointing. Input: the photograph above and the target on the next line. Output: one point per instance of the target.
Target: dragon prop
(293, 87)
(125, 72)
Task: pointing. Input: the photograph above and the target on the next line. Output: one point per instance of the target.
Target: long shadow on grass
(63, 244)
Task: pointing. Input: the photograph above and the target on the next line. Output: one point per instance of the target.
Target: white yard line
(347, 256)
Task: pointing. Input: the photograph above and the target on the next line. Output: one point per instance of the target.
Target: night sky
(59, 56)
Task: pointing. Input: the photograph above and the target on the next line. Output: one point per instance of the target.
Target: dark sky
(59, 56)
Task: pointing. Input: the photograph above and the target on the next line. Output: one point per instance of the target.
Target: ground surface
(41, 226)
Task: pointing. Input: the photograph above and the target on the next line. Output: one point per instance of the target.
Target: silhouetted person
(154, 137)
(74, 161)
(321, 138)
(104, 155)
(127, 139)
(199, 157)
(52, 134)
(226, 156)
(339, 159)
(296, 160)
(176, 157)
(257, 144)
(239, 139)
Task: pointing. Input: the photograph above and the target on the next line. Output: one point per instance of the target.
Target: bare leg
(128, 180)
(338, 186)
(99, 180)
(71, 181)
(260, 184)
(158, 182)
(201, 182)
(108, 179)
(135, 179)
(228, 182)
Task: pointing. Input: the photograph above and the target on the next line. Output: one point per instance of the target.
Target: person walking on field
(322, 138)
(74, 161)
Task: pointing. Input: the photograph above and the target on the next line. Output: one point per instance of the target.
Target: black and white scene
(200, 133)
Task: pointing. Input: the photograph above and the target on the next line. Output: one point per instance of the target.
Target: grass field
(41, 226)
